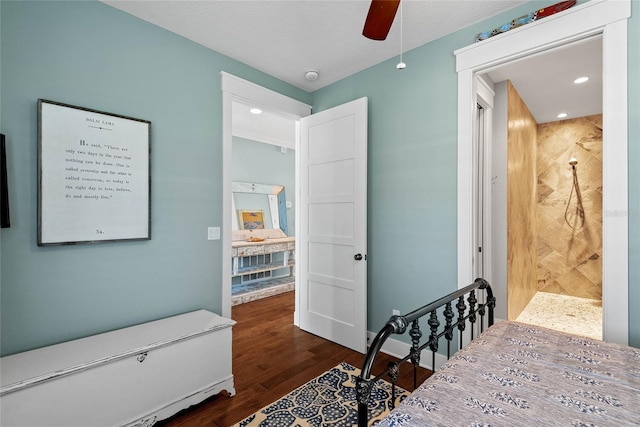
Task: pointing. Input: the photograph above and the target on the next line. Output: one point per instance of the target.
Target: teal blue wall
(413, 173)
(263, 163)
(89, 54)
(92, 55)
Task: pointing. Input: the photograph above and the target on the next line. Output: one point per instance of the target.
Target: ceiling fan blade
(380, 18)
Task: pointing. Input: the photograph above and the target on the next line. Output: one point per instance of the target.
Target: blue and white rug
(328, 400)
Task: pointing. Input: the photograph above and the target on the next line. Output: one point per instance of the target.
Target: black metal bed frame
(398, 325)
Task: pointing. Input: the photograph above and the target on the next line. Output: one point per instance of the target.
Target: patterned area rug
(326, 401)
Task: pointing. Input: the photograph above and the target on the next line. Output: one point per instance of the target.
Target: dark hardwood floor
(271, 357)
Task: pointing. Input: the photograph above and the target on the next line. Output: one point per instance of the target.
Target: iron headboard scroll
(467, 312)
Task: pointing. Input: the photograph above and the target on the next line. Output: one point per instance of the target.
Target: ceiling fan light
(401, 65)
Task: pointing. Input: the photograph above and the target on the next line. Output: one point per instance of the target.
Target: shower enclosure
(554, 220)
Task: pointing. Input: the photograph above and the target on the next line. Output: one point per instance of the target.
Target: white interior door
(332, 224)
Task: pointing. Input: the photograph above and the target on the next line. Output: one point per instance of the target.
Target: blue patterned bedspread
(520, 375)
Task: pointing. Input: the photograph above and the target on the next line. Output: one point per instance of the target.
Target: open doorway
(240, 93)
(610, 20)
(263, 196)
(552, 262)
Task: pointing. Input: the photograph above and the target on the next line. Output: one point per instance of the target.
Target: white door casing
(332, 224)
(485, 95)
(606, 17)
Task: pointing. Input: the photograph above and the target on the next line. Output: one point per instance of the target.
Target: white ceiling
(269, 126)
(286, 38)
(545, 81)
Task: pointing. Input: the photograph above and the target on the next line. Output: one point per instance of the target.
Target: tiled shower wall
(521, 204)
(570, 251)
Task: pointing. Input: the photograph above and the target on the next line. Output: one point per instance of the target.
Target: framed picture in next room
(252, 220)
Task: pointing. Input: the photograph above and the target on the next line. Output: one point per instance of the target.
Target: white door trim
(485, 98)
(235, 88)
(606, 17)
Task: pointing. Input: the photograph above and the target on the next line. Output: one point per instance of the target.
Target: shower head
(573, 161)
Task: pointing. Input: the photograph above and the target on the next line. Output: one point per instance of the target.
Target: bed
(510, 374)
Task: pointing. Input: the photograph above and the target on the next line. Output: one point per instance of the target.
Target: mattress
(520, 375)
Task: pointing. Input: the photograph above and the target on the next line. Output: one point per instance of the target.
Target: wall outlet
(396, 312)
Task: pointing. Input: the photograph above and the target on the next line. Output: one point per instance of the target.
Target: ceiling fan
(380, 18)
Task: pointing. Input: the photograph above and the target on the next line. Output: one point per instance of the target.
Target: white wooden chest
(129, 377)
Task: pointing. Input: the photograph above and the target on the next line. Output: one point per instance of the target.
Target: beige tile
(575, 250)
(589, 173)
(578, 285)
(596, 120)
(544, 276)
(558, 203)
(592, 203)
(591, 142)
(548, 147)
(569, 247)
(592, 269)
(554, 288)
(543, 249)
(521, 203)
(554, 234)
(554, 262)
(556, 173)
(543, 191)
(591, 234)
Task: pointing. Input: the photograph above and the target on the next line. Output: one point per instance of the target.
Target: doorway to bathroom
(607, 19)
(553, 222)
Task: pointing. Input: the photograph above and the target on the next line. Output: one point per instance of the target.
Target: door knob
(357, 257)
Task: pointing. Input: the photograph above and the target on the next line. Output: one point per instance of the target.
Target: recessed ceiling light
(255, 110)
(581, 80)
(562, 115)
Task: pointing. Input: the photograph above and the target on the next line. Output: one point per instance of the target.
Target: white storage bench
(129, 377)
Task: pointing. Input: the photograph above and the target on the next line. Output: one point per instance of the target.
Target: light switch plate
(213, 233)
